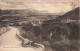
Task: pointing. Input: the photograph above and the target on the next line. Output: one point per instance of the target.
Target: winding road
(9, 42)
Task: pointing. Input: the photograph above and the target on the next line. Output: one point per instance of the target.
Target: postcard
(39, 25)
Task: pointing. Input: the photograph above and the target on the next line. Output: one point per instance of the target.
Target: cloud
(40, 5)
(4, 3)
(54, 7)
(7, 5)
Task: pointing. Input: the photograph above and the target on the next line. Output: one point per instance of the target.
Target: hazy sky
(53, 6)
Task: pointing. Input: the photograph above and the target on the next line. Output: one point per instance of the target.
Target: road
(9, 42)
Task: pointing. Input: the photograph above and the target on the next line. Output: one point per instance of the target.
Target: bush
(54, 31)
(63, 46)
(0, 25)
(75, 30)
(33, 33)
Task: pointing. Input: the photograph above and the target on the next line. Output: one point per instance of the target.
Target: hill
(63, 32)
(69, 16)
(65, 24)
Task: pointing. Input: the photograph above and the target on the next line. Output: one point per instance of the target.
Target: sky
(52, 6)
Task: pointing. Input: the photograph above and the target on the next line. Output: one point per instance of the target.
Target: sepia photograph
(39, 25)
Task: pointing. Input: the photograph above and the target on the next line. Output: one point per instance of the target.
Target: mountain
(26, 12)
(65, 24)
(23, 12)
(69, 16)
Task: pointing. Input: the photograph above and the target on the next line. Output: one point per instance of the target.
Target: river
(9, 42)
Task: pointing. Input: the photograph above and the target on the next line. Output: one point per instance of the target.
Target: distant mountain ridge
(26, 12)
